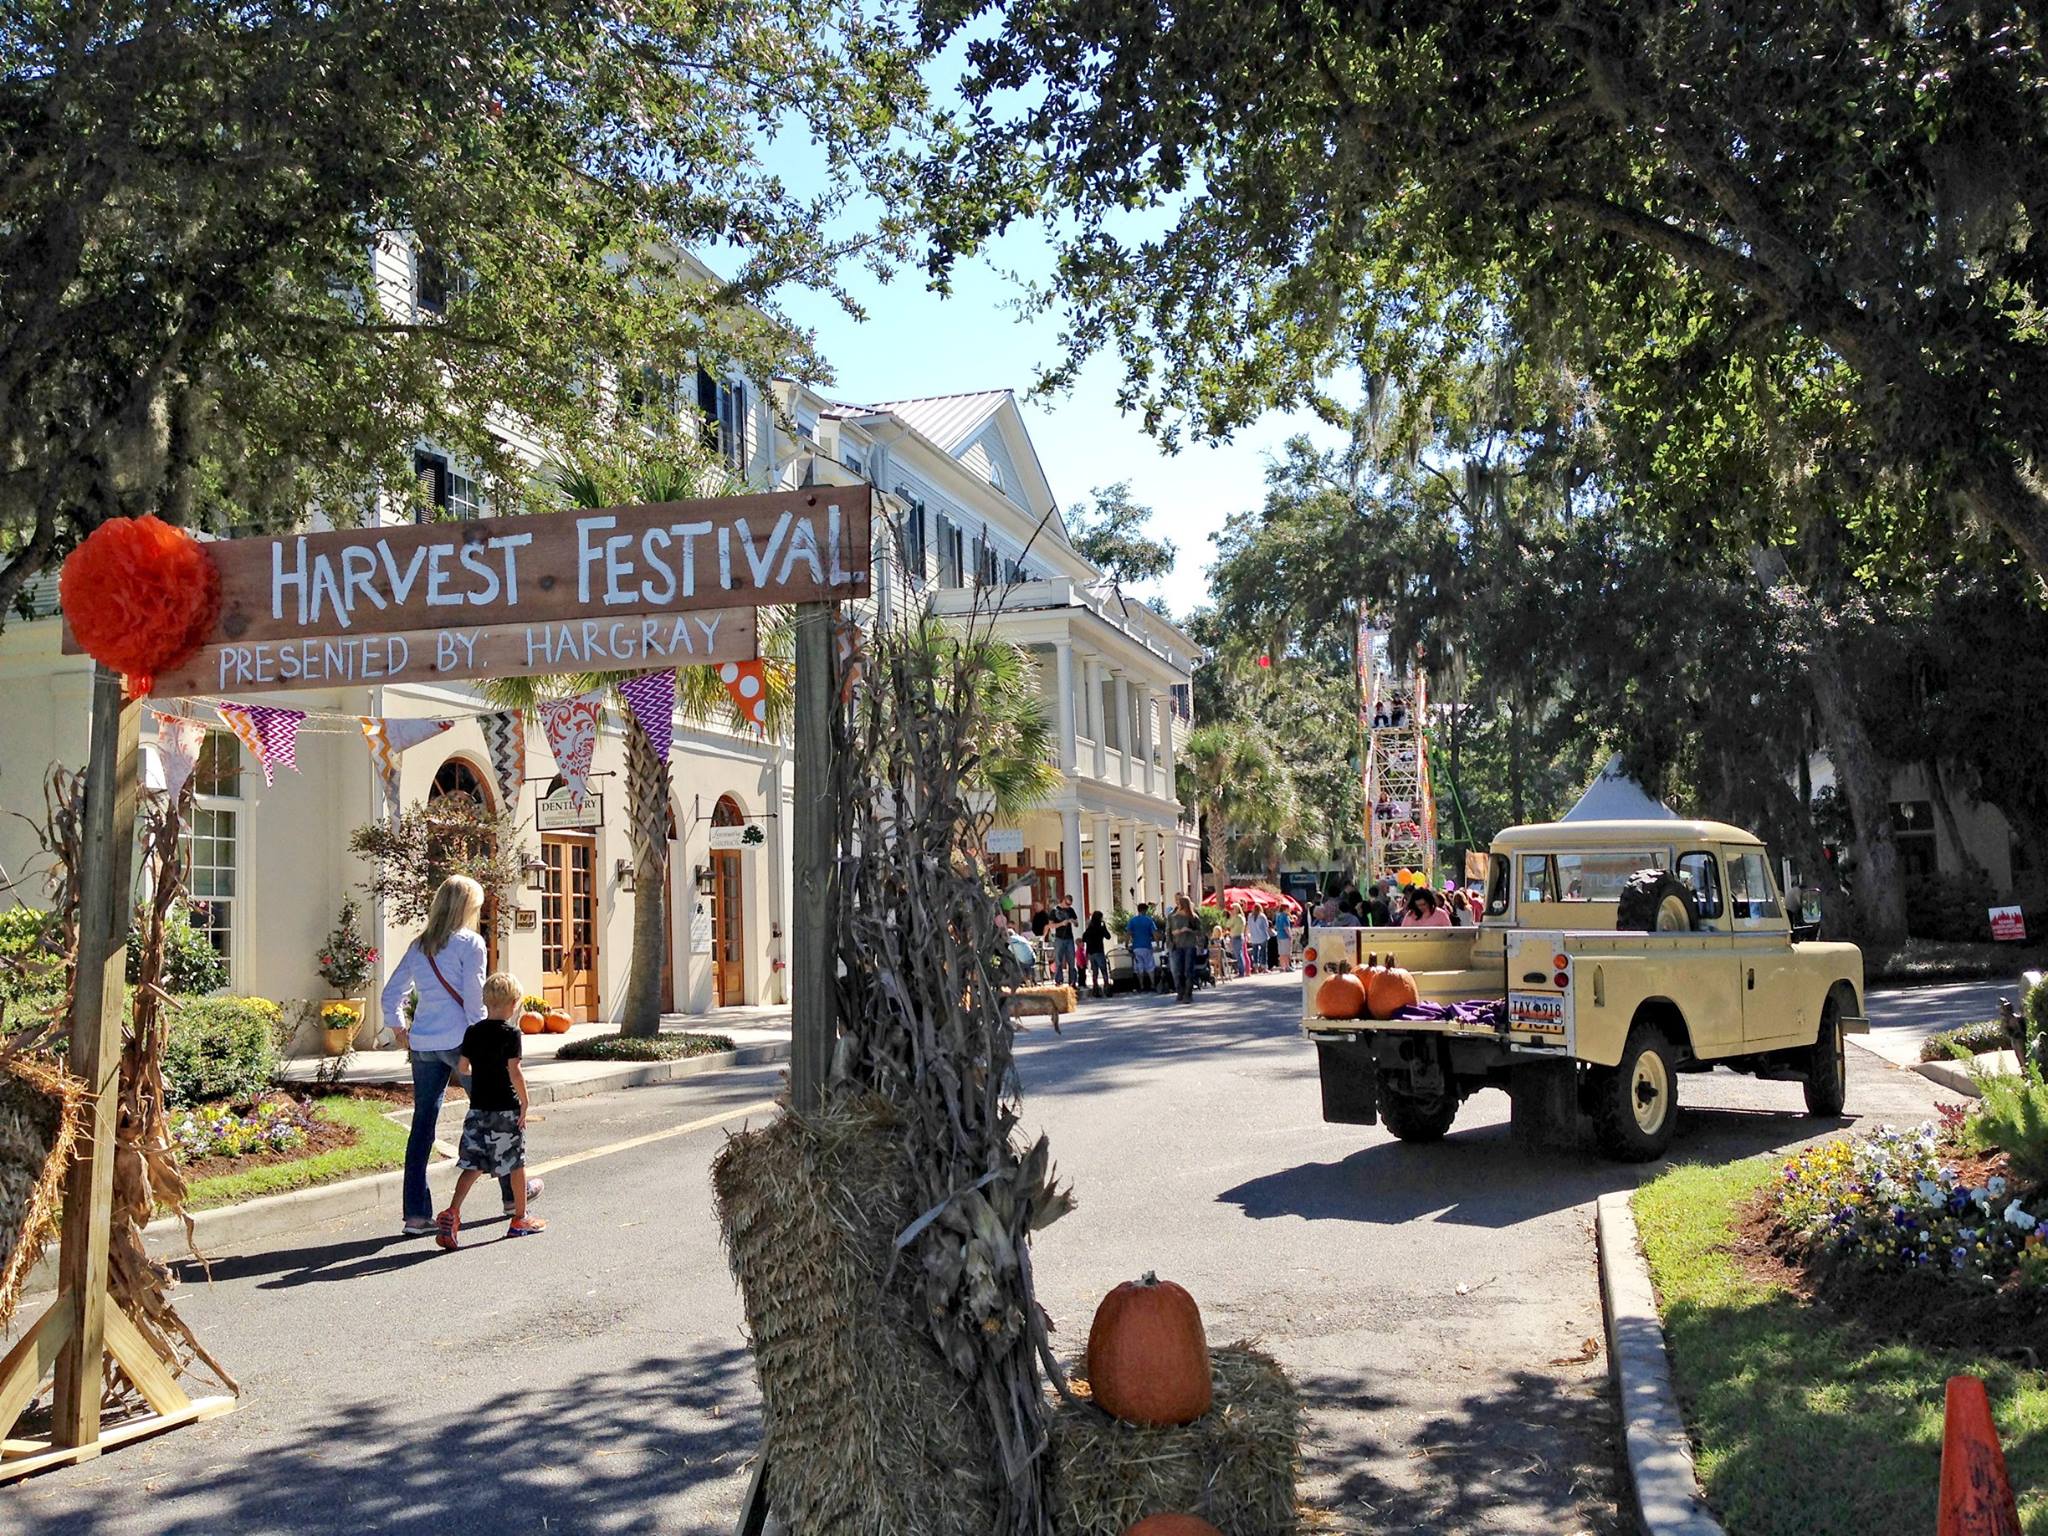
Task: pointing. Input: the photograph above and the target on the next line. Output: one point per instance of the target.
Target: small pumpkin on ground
(1389, 991)
(1342, 996)
(557, 1022)
(1173, 1525)
(1148, 1359)
(531, 1023)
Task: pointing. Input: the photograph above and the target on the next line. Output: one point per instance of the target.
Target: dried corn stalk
(924, 1025)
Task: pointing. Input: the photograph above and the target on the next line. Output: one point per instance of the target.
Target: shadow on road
(290, 1267)
(1483, 1178)
(1539, 1456)
(602, 1452)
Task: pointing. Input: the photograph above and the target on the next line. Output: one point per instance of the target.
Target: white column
(1148, 720)
(1094, 700)
(1103, 895)
(1166, 748)
(1123, 729)
(1165, 887)
(1070, 854)
(1063, 651)
(1131, 836)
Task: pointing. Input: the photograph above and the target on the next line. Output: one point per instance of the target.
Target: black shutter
(433, 469)
(736, 443)
(707, 407)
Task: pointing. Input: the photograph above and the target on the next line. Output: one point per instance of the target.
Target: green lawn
(1805, 1426)
(623, 1047)
(379, 1144)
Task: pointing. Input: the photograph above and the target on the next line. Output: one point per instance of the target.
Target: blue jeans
(1064, 971)
(431, 1071)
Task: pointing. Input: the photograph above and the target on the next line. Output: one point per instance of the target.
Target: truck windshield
(1585, 876)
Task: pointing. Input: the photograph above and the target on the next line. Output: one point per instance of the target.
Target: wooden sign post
(611, 589)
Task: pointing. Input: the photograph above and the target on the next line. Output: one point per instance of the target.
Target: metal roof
(948, 420)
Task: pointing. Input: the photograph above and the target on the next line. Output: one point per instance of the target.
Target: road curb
(219, 1230)
(1955, 1075)
(1659, 1453)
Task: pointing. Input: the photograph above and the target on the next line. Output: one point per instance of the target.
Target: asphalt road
(1901, 1020)
(1435, 1303)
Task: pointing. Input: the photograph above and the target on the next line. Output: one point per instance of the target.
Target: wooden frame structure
(273, 592)
(84, 1325)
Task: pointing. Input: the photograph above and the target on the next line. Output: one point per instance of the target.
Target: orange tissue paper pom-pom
(141, 597)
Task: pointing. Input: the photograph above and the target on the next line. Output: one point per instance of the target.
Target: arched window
(727, 813)
(457, 777)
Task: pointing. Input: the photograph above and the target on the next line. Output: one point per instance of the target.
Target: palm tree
(1219, 771)
(613, 477)
(1273, 823)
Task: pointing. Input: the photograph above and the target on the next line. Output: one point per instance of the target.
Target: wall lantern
(536, 874)
(623, 872)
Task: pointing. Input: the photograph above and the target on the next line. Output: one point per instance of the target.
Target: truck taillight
(1560, 962)
(1309, 953)
(1562, 979)
(1309, 969)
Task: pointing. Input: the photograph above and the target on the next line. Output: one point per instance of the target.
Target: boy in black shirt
(494, 1130)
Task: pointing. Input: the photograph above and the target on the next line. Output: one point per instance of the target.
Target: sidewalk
(758, 1035)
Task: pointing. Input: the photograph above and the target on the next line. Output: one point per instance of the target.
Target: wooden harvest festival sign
(611, 589)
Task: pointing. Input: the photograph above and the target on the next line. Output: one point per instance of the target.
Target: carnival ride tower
(1400, 810)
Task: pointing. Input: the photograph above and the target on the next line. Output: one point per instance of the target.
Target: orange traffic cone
(1976, 1495)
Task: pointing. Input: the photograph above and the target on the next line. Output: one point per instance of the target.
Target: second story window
(952, 554)
(437, 280)
(914, 537)
(450, 493)
(722, 403)
(987, 564)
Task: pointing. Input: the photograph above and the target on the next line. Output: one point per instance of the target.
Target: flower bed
(1888, 1201)
(225, 1130)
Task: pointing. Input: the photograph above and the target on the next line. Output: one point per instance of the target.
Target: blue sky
(915, 342)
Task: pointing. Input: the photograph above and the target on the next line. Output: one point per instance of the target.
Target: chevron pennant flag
(505, 736)
(571, 725)
(178, 740)
(747, 682)
(389, 737)
(271, 734)
(652, 698)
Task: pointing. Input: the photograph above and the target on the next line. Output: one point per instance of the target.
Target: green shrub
(221, 1048)
(1947, 907)
(2011, 1115)
(2035, 1006)
(1970, 1039)
(191, 963)
(31, 979)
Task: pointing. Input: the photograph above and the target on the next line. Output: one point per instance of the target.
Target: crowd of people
(1388, 904)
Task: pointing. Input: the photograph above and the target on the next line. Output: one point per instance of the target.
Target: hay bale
(865, 1427)
(1042, 1001)
(41, 1109)
(1235, 1466)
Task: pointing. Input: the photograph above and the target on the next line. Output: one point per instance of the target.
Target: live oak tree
(1112, 534)
(190, 192)
(1246, 196)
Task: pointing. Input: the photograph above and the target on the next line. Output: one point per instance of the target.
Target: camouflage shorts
(492, 1142)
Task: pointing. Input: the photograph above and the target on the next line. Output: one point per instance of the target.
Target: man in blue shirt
(1144, 931)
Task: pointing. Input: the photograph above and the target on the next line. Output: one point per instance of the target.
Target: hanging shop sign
(559, 813)
(450, 655)
(1005, 840)
(533, 575)
(729, 838)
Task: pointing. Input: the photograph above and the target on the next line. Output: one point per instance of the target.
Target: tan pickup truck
(1612, 956)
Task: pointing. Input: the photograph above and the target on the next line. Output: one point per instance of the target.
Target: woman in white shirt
(444, 969)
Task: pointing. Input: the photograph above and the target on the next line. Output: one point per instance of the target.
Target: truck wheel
(1635, 1102)
(1416, 1119)
(1654, 901)
(1827, 1065)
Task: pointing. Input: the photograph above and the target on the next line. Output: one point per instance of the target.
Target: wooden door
(568, 926)
(728, 950)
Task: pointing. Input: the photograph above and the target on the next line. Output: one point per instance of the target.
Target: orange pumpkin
(1341, 997)
(1172, 1525)
(1388, 991)
(531, 1023)
(1148, 1360)
(557, 1022)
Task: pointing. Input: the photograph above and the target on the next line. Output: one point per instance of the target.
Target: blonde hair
(457, 904)
(503, 987)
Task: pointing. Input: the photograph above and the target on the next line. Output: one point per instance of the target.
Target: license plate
(1537, 1013)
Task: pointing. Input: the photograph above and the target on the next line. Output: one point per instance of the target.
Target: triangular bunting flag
(505, 736)
(178, 741)
(571, 726)
(652, 698)
(270, 734)
(847, 654)
(387, 738)
(747, 682)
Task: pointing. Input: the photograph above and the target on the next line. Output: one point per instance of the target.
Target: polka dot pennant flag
(652, 698)
(270, 734)
(747, 682)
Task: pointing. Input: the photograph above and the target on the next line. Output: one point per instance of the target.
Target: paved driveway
(1434, 1303)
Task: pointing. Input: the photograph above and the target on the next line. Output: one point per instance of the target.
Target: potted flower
(339, 1022)
(344, 964)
